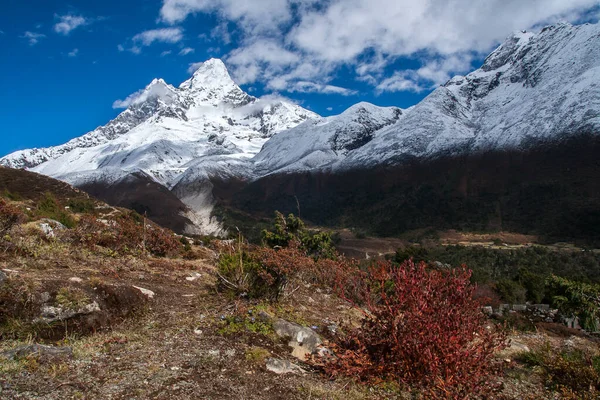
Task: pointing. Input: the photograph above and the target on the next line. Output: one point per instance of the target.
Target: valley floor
(180, 344)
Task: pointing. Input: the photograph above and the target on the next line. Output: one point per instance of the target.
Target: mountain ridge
(534, 88)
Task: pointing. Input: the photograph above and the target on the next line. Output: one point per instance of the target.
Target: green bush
(49, 207)
(576, 299)
(292, 229)
(511, 291)
(82, 205)
(528, 267)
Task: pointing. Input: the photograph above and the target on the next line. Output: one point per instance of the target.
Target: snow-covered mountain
(165, 128)
(535, 87)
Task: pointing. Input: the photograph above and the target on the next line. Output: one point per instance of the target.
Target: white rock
(148, 293)
(194, 277)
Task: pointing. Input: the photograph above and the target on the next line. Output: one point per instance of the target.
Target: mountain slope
(533, 88)
(163, 132)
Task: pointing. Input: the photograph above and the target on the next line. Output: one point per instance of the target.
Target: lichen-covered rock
(282, 367)
(39, 350)
(50, 314)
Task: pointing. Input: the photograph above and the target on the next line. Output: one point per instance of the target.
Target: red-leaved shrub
(125, 235)
(262, 272)
(421, 328)
(9, 217)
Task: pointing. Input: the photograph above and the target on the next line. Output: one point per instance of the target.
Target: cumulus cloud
(186, 51)
(33, 37)
(68, 23)
(276, 37)
(164, 35)
(255, 15)
(73, 53)
(147, 38)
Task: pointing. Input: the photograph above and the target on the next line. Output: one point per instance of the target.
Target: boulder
(49, 227)
(303, 341)
(51, 314)
(281, 367)
(38, 350)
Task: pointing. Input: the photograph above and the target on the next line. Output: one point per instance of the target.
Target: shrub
(575, 372)
(11, 196)
(49, 207)
(161, 242)
(126, 236)
(576, 299)
(265, 272)
(9, 217)
(511, 291)
(82, 205)
(420, 327)
(262, 273)
(292, 229)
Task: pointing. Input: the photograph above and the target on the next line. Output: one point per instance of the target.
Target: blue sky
(65, 64)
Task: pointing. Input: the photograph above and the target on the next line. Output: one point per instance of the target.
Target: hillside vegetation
(109, 305)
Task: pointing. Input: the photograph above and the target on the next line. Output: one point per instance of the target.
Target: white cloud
(255, 15)
(193, 67)
(349, 27)
(158, 88)
(165, 53)
(1, 32)
(68, 23)
(73, 53)
(164, 35)
(265, 57)
(33, 37)
(401, 81)
(221, 32)
(368, 36)
(121, 48)
(329, 108)
(186, 51)
(312, 87)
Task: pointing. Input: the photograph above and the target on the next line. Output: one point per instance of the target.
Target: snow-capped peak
(209, 74)
(212, 84)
